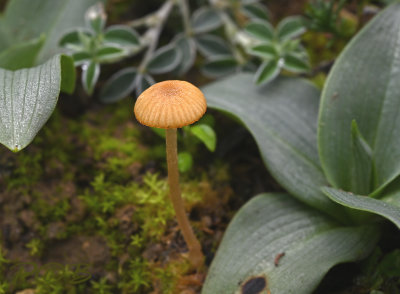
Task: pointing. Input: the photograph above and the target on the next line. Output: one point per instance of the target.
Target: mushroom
(170, 105)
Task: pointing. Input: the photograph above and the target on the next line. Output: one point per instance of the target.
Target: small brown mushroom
(170, 105)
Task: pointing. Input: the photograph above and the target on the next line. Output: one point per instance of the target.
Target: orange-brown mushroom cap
(170, 104)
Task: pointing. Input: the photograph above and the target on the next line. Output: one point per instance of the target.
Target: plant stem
(195, 254)
(184, 7)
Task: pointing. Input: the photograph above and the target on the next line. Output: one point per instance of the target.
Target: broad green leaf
(28, 98)
(110, 54)
(119, 85)
(296, 63)
(256, 11)
(210, 45)
(265, 51)
(362, 167)
(205, 19)
(185, 161)
(290, 27)
(187, 47)
(365, 203)
(90, 75)
(219, 66)
(267, 71)
(282, 118)
(72, 40)
(121, 35)
(142, 82)
(68, 74)
(81, 57)
(26, 20)
(261, 30)
(364, 86)
(206, 135)
(165, 59)
(22, 55)
(274, 244)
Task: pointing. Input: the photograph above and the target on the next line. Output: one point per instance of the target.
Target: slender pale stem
(195, 254)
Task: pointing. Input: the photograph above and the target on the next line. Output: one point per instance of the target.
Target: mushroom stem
(195, 254)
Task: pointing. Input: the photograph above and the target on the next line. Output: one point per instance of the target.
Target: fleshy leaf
(220, 66)
(282, 117)
(90, 75)
(165, 59)
(290, 27)
(119, 85)
(29, 97)
(205, 19)
(256, 11)
(121, 35)
(364, 86)
(261, 30)
(296, 63)
(274, 244)
(210, 45)
(187, 47)
(265, 51)
(267, 71)
(206, 135)
(365, 203)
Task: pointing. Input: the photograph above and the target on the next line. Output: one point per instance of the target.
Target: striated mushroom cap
(170, 104)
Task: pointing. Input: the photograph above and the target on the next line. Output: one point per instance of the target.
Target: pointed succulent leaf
(165, 59)
(267, 71)
(28, 98)
(290, 27)
(365, 203)
(119, 85)
(90, 75)
(296, 63)
(72, 40)
(261, 30)
(210, 45)
(355, 91)
(272, 237)
(205, 19)
(121, 35)
(220, 66)
(110, 54)
(206, 135)
(265, 51)
(282, 117)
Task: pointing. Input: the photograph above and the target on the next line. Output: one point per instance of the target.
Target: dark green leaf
(276, 245)
(185, 161)
(256, 11)
(265, 51)
(220, 66)
(365, 203)
(143, 82)
(187, 47)
(28, 98)
(72, 40)
(261, 30)
(68, 74)
(267, 71)
(22, 55)
(165, 59)
(121, 35)
(110, 54)
(205, 19)
(290, 27)
(90, 75)
(282, 117)
(296, 63)
(81, 57)
(206, 135)
(210, 45)
(364, 86)
(119, 85)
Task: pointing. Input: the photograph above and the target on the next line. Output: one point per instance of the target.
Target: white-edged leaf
(206, 135)
(121, 35)
(119, 85)
(211, 45)
(265, 51)
(267, 71)
(363, 85)
(219, 66)
(274, 244)
(205, 19)
(187, 47)
(290, 27)
(28, 98)
(165, 59)
(296, 63)
(282, 118)
(110, 54)
(72, 40)
(365, 203)
(90, 75)
(142, 82)
(256, 11)
(261, 30)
